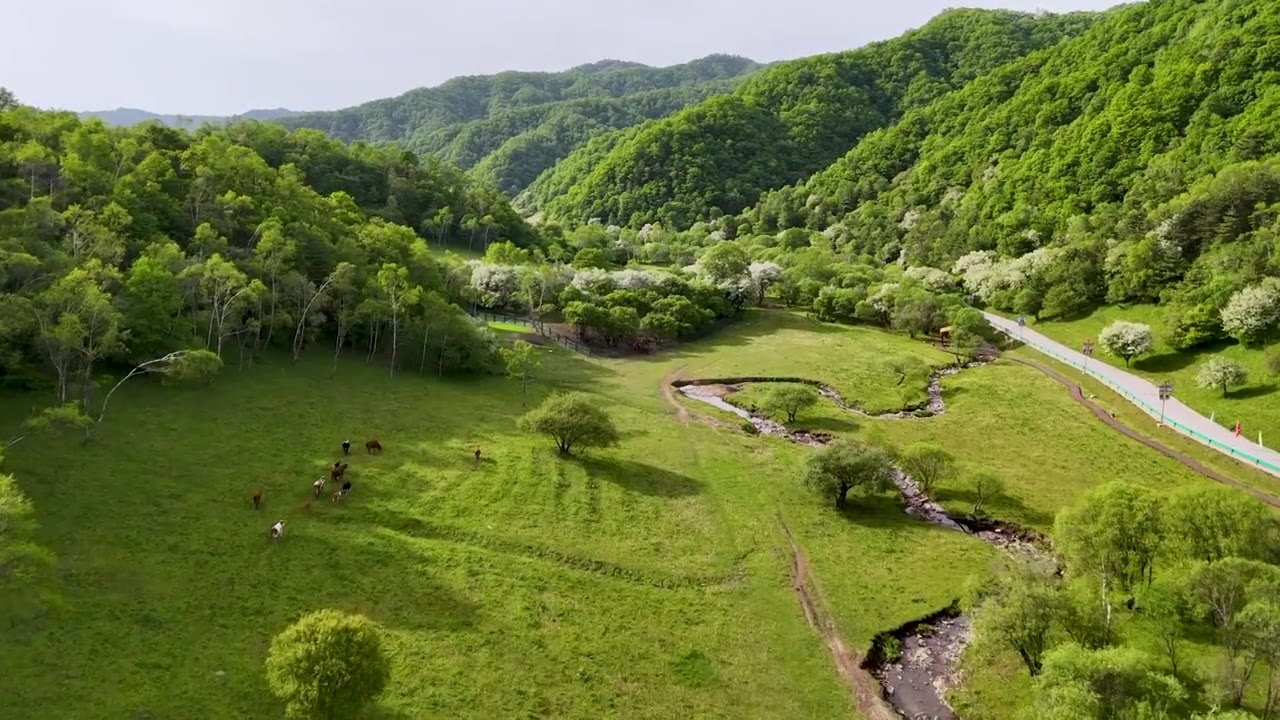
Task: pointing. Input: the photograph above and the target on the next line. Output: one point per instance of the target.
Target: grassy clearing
(853, 360)
(645, 581)
(1256, 405)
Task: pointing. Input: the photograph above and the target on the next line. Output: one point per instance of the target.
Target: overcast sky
(228, 56)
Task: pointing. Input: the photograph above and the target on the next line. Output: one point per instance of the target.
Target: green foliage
(22, 561)
(986, 487)
(928, 464)
(789, 399)
(846, 466)
(120, 246)
(789, 120)
(509, 128)
(1213, 522)
(1115, 534)
(572, 420)
(1220, 372)
(522, 362)
(1085, 684)
(328, 665)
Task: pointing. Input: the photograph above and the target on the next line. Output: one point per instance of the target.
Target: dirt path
(669, 393)
(864, 688)
(1105, 417)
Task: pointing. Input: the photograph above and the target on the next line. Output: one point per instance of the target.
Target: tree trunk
(395, 341)
(422, 364)
(443, 344)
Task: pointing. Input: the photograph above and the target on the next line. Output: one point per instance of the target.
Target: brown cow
(257, 500)
(337, 471)
(477, 454)
(371, 445)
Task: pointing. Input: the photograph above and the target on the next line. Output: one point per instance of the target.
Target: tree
(725, 263)
(79, 325)
(1260, 625)
(1126, 339)
(986, 487)
(1220, 372)
(970, 331)
(845, 466)
(1106, 683)
(790, 399)
(1222, 589)
(342, 272)
(397, 293)
(22, 561)
(1019, 610)
(572, 420)
(1251, 315)
(328, 665)
(1213, 522)
(927, 464)
(522, 362)
(177, 366)
(7, 99)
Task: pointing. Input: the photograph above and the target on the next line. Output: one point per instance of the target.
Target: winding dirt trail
(1104, 416)
(863, 686)
(669, 393)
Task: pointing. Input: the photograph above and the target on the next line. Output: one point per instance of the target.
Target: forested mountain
(124, 117)
(1135, 163)
(514, 125)
(119, 245)
(788, 121)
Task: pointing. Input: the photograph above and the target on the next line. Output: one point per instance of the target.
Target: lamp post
(1166, 392)
(1087, 351)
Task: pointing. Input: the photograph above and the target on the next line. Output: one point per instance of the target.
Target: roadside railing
(1145, 406)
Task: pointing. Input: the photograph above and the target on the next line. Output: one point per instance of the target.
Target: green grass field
(1256, 405)
(646, 581)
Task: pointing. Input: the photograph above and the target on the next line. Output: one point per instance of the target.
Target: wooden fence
(538, 326)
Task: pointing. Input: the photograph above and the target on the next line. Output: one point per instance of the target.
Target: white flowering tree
(1220, 372)
(1252, 314)
(494, 285)
(763, 274)
(1126, 339)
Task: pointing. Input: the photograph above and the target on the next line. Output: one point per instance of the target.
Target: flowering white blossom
(587, 278)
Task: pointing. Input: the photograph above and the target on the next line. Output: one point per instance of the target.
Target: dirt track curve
(1105, 417)
(864, 687)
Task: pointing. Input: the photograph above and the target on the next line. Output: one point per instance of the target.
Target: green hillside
(791, 120)
(514, 125)
(1137, 162)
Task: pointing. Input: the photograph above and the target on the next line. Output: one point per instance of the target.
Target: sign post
(1166, 392)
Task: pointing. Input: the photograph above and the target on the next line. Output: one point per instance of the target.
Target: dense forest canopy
(512, 126)
(789, 121)
(121, 245)
(1135, 163)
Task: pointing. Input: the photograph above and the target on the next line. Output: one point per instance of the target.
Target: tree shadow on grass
(1163, 363)
(1254, 391)
(884, 511)
(639, 477)
(1004, 507)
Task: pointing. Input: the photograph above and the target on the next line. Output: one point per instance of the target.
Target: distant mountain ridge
(125, 117)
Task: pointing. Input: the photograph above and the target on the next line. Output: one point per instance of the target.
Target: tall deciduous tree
(789, 399)
(398, 293)
(928, 465)
(522, 362)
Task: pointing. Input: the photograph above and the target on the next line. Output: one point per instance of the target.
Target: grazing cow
(346, 447)
(346, 488)
(337, 471)
(477, 454)
(336, 495)
(371, 445)
(318, 486)
(277, 530)
(257, 500)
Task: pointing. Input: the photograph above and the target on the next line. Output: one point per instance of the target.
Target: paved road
(1144, 394)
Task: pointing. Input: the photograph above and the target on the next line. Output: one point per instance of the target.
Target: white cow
(277, 530)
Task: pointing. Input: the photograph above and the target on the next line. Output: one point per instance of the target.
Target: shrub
(327, 665)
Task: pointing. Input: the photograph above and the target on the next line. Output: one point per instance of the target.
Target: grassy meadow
(645, 581)
(1256, 405)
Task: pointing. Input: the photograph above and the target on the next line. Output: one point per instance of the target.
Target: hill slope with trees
(791, 120)
(514, 125)
(1136, 163)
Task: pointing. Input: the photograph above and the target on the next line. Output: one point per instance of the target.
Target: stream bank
(915, 664)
